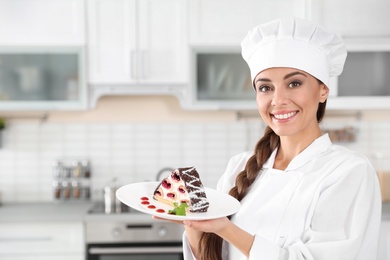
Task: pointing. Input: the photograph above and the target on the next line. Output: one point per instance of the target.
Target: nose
(280, 97)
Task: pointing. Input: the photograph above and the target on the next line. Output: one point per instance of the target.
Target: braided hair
(210, 244)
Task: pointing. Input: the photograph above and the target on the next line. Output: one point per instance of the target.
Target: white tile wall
(136, 152)
(130, 152)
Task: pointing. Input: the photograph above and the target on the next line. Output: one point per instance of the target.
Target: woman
(301, 196)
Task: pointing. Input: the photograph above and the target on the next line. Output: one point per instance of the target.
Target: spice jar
(76, 190)
(56, 190)
(86, 192)
(86, 169)
(65, 190)
(77, 169)
(57, 169)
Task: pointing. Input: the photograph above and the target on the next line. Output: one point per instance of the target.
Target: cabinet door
(353, 18)
(37, 239)
(384, 241)
(42, 22)
(162, 41)
(45, 257)
(224, 22)
(112, 41)
(42, 78)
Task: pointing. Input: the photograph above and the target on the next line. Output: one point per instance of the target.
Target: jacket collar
(317, 147)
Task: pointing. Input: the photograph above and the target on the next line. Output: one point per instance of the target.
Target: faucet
(160, 172)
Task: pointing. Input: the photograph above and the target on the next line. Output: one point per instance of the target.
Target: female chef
(301, 196)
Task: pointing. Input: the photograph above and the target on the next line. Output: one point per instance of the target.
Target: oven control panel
(159, 231)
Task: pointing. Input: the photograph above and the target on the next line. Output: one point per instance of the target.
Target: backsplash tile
(136, 152)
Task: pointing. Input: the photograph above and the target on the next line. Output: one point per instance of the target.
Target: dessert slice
(183, 185)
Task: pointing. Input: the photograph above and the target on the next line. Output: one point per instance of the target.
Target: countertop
(63, 212)
(44, 212)
(78, 212)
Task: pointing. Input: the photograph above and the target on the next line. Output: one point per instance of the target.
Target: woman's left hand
(209, 226)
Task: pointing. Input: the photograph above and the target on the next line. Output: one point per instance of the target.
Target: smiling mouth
(285, 116)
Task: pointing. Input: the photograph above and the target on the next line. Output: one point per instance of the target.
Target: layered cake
(183, 185)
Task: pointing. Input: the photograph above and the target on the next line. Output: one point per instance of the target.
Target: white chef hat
(294, 43)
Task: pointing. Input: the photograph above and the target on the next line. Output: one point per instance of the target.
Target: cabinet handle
(134, 250)
(24, 239)
(133, 64)
(142, 64)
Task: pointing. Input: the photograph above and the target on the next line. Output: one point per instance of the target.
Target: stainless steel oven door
(172, 251)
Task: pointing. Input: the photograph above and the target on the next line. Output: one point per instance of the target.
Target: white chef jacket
(325, 205)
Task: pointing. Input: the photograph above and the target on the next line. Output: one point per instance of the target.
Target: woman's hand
(223, 227)
(226, 229)
(169, 220)
(209, 226)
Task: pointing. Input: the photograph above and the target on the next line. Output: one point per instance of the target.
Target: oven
(132, 236)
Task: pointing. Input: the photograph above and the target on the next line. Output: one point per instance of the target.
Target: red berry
(171, 195)
(166, 184)
(175, 176)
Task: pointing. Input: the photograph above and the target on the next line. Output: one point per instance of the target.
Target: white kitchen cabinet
(226, 22)
(384, 241)
(42, 22)
(223, 24)
(352, 18)
(42, 240)
(364, 83)
(137, 42)
(42, 78)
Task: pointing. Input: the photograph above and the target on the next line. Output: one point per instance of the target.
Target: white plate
(221, 204)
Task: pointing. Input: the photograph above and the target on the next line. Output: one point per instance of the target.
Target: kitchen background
(132, 138)
(135, 86)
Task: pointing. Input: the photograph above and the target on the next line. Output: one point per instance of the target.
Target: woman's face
(287, 100)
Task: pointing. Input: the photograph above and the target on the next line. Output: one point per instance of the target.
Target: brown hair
(210, 245)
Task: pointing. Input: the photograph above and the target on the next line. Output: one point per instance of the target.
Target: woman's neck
(291, 146)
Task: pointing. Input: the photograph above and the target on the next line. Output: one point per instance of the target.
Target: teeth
(284, 116)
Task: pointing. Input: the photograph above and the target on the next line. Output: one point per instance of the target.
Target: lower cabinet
(42, 241)
(384, 241)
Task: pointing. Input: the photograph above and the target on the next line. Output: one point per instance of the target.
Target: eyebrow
(284, 78)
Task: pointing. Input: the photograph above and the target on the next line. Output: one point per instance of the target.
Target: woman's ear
(324, 92)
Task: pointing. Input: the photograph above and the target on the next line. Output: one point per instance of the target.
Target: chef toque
(294, 43)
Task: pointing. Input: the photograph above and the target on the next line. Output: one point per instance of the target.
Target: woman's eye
(264, 88)
(294, 84)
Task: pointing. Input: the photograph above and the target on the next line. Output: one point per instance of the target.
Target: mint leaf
(178, 210)
(181, 211)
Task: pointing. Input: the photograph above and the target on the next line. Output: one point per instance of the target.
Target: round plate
(221, 204)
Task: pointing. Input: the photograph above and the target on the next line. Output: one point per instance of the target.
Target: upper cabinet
(137, 46)
(219, 77)
(140, 42)
(352, 18)
(216, 25)
(364, 83)
(42, 22)
(187, 48)
(42, 53)
(226, 22)
(36, 78)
